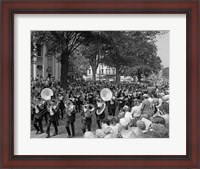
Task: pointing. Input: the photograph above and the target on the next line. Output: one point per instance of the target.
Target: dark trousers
(45, 118)
(72, 131)
(99, 124)
(86, 126)
(112, 111)
(37, 122)
(60, 114)
(49, 125)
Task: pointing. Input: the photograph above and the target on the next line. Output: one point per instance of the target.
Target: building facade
(102, 72)
(43, 66)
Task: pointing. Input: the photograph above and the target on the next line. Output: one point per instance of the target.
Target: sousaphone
(106, 94)
(46, 93)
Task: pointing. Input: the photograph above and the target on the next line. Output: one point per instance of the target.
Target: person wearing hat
(100, 112)
(147, 107)
(87, 117)
(52, 109)
(112, 106)
(70, 118)
(37, 120)
(61, 106)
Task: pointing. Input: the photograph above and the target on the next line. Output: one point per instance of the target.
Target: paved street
(61, 128)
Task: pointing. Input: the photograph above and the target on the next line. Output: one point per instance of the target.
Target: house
(44, 66)
(103, 72)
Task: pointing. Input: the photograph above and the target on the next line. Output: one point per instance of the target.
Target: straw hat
(140, 124)
(159, 129)
(108, 130)
(166, 117)
(109, 136)
(115, 130)
(137, 131)
(126, 108)
(100, 133)
(104, 126)
(146, 122)
(123, 122)
(165, 98)
(128, 133)
(128, 116)
(89, 134)
(158, 119)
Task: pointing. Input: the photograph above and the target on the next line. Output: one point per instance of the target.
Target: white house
(101, 72)
(43, 65)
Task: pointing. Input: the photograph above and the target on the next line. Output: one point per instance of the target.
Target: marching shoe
(47, 136)
(55, 134)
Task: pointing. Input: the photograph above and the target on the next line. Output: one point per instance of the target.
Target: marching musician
(38, 108)
(70, 116)
(87, 117)
(121, 101)
(79, 103)
(52, 109)
(61, 106)
(100, 112)
(112, 106)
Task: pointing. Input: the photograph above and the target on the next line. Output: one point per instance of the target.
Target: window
(109, 71)
(113, 71)
(89, 71)
(102, 71)
(39, 49)
(106, 71)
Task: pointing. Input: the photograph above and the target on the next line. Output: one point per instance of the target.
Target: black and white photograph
(100, 84)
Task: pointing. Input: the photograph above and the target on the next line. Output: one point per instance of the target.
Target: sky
(163, 48)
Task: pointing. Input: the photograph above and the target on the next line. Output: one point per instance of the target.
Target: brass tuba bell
(46, 93)
(106, 94)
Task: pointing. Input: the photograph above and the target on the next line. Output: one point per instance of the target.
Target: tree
(63, 43)
(80, 63)
(145, 60)
(165, 73)
(133, 49)
(138, 71)
(116, 51)
(94, 50)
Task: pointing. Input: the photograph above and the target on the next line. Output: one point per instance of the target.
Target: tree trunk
(139, 77)
(64, 69)
(94, 69)
(117, 75)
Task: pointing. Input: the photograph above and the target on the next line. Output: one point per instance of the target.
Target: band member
(70, 116)
(79, 103)
(37, 119)
(100, 112)
(121, 101)
(52, 108)
(87, 117)
(61, 106)
(112, 106)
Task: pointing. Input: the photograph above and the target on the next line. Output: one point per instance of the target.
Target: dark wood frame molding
(10, 7)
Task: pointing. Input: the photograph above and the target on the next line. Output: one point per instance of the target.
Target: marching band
(135, 105)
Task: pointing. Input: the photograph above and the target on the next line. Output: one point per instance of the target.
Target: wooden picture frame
(11, 7)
